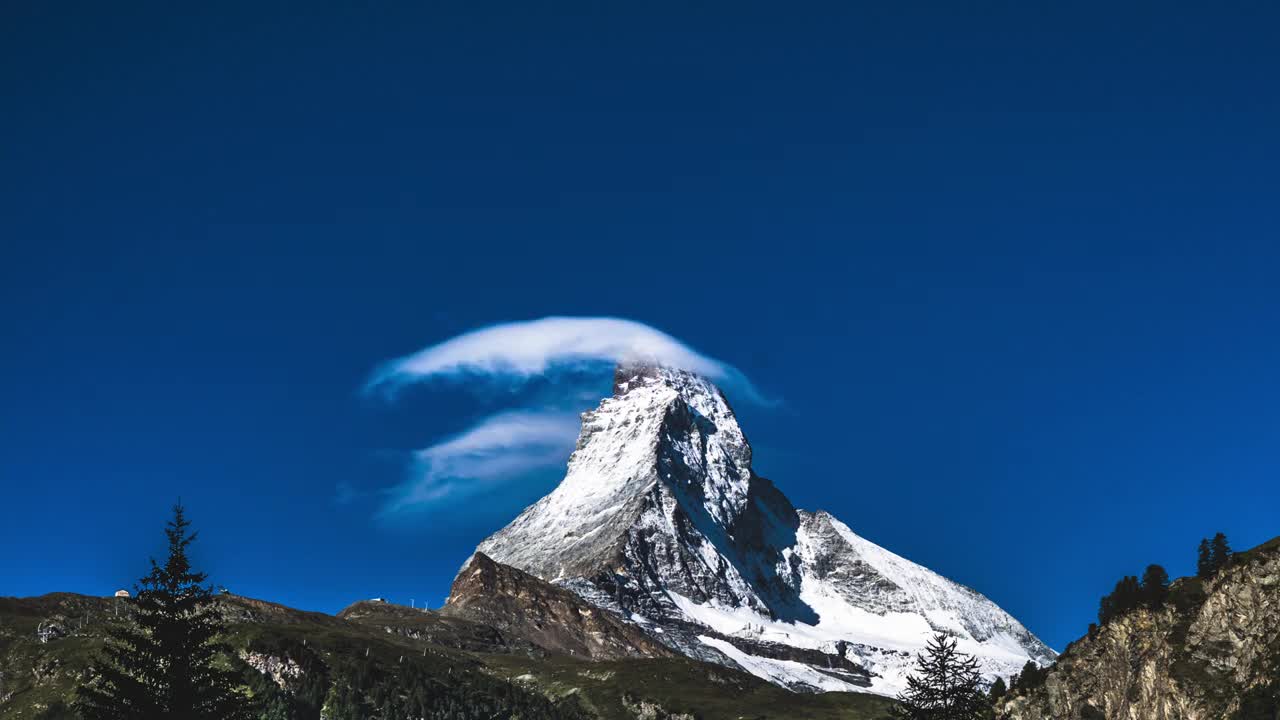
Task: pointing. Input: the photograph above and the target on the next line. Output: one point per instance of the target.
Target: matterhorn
(661, 521)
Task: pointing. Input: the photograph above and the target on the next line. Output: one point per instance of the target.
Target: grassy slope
(38, 676)
(681, 686)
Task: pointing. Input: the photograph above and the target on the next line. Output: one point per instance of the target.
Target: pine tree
(166, 662)
(998, 689)
(1155, 586)
(1220, 553)
(1031, 677)
(945, 686)
(1126, 596)
(1204, 560)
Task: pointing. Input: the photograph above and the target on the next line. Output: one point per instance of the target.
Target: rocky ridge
(1212, 652)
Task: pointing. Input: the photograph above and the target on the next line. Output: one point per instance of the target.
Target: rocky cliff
(550, 617)
(1211, 653)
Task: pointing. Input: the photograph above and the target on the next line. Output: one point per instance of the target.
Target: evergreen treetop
(166, 662)
(1155, 586)
(945, 686)
(1204, 560)
(1221, 552)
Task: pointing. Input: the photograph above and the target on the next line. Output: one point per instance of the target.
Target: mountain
(1210, 652)
(380, 660)
(661, 520)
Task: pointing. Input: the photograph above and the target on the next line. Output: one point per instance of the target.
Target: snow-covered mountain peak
(661, 518)
(662, 427)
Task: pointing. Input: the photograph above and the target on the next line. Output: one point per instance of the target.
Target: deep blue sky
(1011, 269)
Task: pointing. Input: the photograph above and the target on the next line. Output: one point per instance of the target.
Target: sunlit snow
(660, 505)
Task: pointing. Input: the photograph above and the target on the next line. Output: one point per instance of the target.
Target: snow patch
(787, 673)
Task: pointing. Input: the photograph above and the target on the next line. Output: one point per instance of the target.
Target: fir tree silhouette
(1204, 560)
(1155, 586)
(945, 687)
(1220, 553)
(1213, 556)
(998, 689)
(1126, 596)
(166, 662)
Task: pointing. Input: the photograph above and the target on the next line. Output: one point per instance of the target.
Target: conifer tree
(1031, 677)
(1204, 560)
(165, 663)
(998, 689)
(1220, 553)
(1126, 596)
(1155, 586)
(945, 687)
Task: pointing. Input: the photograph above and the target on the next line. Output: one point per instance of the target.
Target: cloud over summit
(524, 349)
(511, 444)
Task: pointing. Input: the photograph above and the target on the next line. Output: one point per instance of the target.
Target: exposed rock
(435, 627)
(281, 670)
(550, 617)
(1211, 650)
(643, 709)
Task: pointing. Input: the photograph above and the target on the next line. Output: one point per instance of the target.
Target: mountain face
(1212, 652)
(661, 519)
(548, 616)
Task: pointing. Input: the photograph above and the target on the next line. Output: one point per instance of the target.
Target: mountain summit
(661, 519)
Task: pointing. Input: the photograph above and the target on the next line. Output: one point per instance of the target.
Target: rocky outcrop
(435, 628)
(642, 709)
(281, 670)
(550, 617)
(1211, 653)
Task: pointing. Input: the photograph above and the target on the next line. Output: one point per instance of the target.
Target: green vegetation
(360, 670)
(1213, 556)
(1126, 596)
(1248, 556)
(225, 656)
(357, 677)
(166, 660)
(614, 690)
(998, 690)
(1153, 591)
(1031, 677)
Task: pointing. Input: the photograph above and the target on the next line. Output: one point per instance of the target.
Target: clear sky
(1009, 272)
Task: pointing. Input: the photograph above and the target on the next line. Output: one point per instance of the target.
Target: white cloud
(513, 445)
(525, 349)
(498, 449)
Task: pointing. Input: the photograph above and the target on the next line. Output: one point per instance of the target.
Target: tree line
(1151, 592)
(946, 684)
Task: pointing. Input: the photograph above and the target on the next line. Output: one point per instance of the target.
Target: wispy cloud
(520, 350)
(519, 444)
(498, 449)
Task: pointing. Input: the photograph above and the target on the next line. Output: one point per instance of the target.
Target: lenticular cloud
(525, 349)
(515, 443)
(489, 454)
